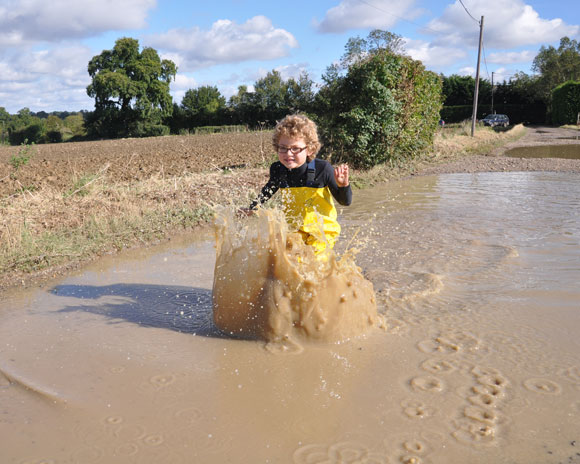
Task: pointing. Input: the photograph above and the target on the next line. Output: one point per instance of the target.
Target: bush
(151, 130)
(34, 133)
(566, 103)
(54, 136)
(385, 109)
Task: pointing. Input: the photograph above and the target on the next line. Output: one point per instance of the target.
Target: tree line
(375, 89)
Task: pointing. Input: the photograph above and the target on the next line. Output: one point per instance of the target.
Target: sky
(45, 46)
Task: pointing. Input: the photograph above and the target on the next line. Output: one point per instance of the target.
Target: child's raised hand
(341, 175)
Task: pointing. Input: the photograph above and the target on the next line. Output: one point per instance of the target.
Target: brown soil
(62, 165)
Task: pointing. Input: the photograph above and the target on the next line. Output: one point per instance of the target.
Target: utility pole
(492, 112)
(474, 115)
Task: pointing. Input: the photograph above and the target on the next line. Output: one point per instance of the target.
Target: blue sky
(45, 46)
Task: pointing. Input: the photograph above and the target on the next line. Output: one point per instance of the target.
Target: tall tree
(300, 94)
(272, 99)
(557, 65)
(358, 49)
(131, 90)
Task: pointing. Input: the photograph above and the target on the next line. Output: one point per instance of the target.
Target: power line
(400, 17)
(485, 61)
(467, 11)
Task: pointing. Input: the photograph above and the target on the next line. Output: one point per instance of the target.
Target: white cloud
(511, 57)
(292, 71)
(358, 14)
(65, 62)
(48, 79)
(26, 22)
(467, 71)
(507, 24)
(225, 42)
(433, 56)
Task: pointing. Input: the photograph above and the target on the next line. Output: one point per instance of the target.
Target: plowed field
(61, 165)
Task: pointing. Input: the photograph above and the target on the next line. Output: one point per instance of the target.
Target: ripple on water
(189, 416)
(39, 461)
(340, 452)
(427, 384)
(438, 366)
(130, 432)
(417, 410)
(88, 454)
(474, 434)
(543, 386)
(127, 449)
(454, 342)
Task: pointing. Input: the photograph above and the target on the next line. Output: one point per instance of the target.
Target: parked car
(496, 120)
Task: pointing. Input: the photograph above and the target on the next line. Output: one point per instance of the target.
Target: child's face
(285, 155)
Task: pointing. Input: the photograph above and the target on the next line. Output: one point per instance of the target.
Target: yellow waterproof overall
(311, 212)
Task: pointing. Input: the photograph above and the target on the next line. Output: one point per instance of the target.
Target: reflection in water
(568, 151)
(476, 275)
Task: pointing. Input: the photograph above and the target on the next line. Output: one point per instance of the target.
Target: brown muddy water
(566, 151)
(477, 276)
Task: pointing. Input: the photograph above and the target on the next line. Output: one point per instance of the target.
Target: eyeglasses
(293, 150)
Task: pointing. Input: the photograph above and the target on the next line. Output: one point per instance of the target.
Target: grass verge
(451, 143)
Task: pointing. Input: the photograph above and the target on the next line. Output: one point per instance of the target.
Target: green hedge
(566, 103)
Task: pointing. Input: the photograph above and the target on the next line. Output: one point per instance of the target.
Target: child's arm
(268, 190)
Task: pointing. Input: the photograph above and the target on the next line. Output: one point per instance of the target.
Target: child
(307, 184)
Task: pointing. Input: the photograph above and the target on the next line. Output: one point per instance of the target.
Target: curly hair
(300, 127)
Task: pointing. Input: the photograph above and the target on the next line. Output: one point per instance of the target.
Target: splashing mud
(269, 285)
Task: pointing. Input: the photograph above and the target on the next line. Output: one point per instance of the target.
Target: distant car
(493, 120)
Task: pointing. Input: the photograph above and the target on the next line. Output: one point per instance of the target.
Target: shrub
(385, 109)
(566, 103)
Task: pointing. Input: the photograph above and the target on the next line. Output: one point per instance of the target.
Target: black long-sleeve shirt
(280, 176)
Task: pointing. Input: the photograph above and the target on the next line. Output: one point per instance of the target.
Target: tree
(4, 121)
(203, 106)
(556, 66)
(384, 109)
(378, 41)
(272, 99)
(566, 103)
(131, 91)
(75, 123)
(300, 94)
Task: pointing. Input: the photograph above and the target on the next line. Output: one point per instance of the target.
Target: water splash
(269, 285)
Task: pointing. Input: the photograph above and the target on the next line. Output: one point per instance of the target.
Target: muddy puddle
(477, 278)
(565, 151)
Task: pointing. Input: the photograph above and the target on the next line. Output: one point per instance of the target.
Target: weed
(24, 154)
(80, 186)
